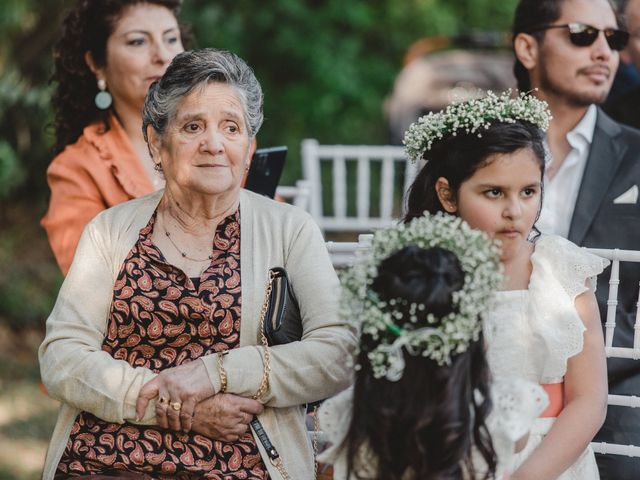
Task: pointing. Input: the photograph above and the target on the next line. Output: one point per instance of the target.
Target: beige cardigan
(84, 378)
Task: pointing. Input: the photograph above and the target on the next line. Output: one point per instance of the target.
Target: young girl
(423, 405)
(485, 164)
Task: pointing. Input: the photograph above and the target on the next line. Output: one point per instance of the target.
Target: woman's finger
(173, 414)
(161, 409)
(247, 418)
(249, 405)
(240, 429)
(186, 414)
(148, 391)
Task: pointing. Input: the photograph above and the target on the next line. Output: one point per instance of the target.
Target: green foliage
(325, 66)
(25, 109)
(10, 171)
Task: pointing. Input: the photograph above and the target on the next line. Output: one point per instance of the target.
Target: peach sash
(555, 391)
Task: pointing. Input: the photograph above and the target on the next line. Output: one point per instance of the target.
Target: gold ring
(176, 406)
(163, 400)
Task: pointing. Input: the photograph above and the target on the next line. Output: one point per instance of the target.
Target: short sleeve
(574, 267)
(561, 272)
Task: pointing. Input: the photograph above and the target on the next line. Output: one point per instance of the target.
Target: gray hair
(195, 69)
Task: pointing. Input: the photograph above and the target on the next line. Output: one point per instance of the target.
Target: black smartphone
(265, 170)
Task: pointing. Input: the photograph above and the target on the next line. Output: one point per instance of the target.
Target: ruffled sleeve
(575, 268)
(561, 272)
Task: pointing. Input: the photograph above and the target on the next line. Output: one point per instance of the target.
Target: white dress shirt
(561, 191)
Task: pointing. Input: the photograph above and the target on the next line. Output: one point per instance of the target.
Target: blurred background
(340, 71)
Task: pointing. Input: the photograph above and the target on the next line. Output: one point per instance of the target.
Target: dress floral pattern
(160, 318)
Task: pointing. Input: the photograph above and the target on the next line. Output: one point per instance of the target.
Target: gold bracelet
(222, 371)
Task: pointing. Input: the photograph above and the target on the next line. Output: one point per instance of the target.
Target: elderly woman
(154, 344)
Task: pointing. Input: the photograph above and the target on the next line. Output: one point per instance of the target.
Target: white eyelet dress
(532, 333)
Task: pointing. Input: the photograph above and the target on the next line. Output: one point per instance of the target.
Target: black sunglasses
(583, 35)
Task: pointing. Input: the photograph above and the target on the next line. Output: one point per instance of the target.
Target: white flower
(386, 324)
(471, 117)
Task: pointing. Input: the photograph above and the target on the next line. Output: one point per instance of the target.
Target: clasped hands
(187, 401)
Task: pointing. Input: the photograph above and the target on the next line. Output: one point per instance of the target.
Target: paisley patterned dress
(160, 318)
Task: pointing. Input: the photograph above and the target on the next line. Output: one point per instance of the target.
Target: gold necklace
(180, 251)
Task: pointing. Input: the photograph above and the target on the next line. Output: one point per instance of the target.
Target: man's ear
(526, 49)
(445, 195)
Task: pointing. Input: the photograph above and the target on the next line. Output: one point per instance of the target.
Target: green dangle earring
(103, 98)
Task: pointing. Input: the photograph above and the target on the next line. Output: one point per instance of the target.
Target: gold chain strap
(280, 467)
(264, 384)
(316, 432)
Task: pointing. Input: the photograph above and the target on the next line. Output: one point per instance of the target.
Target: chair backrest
(298, 194)
(344, 254)
(355, 175)
(616, 256)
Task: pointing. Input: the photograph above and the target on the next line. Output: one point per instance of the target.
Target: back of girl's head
(424, 424)
(86, 28)
(457, 157)
(421, 276)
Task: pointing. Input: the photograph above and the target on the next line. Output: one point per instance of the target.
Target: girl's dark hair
(426, 423)
(456, 158)
(86, 28)
(532, 14)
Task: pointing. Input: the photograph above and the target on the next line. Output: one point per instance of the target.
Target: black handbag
(282, 322)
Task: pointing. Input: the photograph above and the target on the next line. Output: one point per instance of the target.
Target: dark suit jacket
(626, 108)
(613, 167)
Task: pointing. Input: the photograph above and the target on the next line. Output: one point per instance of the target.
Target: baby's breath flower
(389, 327)
(473, 116)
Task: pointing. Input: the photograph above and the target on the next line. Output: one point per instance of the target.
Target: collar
(114, 147)
(581, 136)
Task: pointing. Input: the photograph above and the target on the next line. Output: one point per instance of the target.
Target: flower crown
(473, 116)
(388, 326)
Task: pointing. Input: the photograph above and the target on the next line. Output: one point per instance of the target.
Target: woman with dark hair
(484, 165)
(424, 405)
(108, 54)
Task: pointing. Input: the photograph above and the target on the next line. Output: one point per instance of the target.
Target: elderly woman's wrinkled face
(205, 148)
